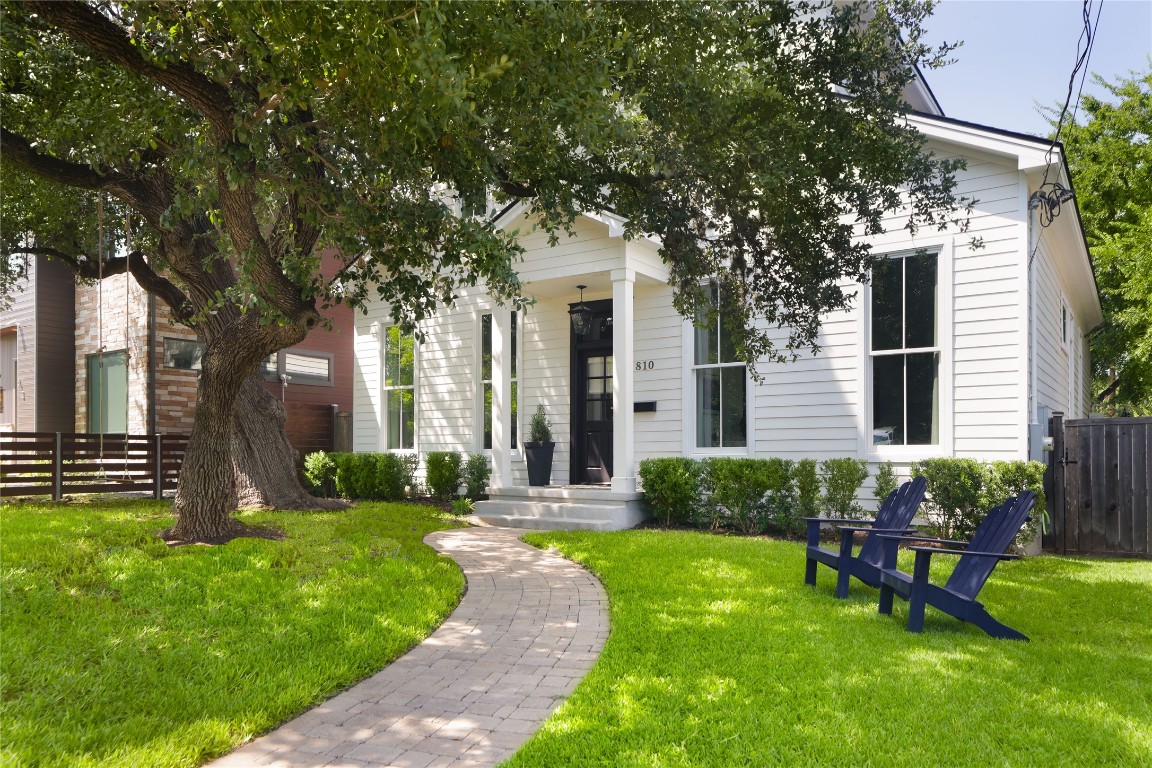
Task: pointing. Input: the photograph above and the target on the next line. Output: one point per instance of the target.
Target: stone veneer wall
(107, 306)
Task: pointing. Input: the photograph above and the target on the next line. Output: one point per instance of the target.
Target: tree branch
(94, 30)
(134, 263)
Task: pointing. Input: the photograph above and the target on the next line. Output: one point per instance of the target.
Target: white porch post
(501, 399)
(623, 418)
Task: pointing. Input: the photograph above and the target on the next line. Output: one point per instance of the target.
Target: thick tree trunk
(263, 459)
(206, 492)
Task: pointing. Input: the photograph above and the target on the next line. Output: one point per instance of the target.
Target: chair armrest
(928, 539)
(837, 520)
(880, 531)
(998, 555)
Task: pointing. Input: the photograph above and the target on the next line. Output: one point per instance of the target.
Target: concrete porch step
(570, 508)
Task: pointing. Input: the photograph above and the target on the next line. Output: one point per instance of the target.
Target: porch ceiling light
(580, 314)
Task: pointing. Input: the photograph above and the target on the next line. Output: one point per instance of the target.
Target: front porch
(562, 508)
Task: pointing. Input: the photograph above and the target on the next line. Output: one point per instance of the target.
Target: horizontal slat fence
(1101, 502)
(59, 463)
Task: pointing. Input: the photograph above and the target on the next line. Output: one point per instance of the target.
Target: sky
(1018, 53)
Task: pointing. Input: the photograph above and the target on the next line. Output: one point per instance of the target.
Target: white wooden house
(952, 350)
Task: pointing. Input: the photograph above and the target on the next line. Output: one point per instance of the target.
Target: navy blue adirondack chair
(957, 597)
(894, 517)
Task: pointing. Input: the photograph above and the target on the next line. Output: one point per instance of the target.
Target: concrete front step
(570, 508)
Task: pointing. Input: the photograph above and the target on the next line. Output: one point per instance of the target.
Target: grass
(118, 651)
(720, 656)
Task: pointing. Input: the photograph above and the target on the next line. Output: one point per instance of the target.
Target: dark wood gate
(1100, 472)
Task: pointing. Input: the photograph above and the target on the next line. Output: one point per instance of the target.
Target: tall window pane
(905, 353)
(721, 384)
(399, 390)
(486, 377)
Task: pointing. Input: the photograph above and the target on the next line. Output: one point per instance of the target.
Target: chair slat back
(994, 534)
(897, 511)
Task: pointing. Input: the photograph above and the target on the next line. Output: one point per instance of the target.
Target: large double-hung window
(904, 350)
(721, 384)
(399, 390)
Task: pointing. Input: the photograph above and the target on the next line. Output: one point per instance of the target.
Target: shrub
(735, 490)
(885, 481)
(781, 507)
(539, 427)
(1010, 478)
(477, 473)
(671, 488)
(961, 492)
(320, 472)
(807, 488)
(373, 476)
(442, 474)
(842, 479)
(956, 500)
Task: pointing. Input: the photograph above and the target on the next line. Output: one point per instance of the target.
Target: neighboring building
(950, 351)
(37, 351)
(145, 380)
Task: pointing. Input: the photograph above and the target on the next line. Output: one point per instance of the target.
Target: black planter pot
(539, 458)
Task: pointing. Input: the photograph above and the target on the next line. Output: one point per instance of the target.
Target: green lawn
(720, 656)
(118, 651)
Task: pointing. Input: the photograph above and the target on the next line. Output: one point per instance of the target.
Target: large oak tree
(752, 138)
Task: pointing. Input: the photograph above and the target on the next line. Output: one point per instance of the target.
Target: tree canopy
(1110, 155)
(754, 139)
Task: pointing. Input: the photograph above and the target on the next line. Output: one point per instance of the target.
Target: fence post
(58, 470)
(335, 426)
(1058, 467)
(158, 467)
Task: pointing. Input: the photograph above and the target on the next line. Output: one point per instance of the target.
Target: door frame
(577, 346)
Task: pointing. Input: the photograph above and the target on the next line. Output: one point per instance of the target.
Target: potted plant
(538, 449)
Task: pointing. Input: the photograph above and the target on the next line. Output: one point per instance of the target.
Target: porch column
(501, 398)
(624, 359)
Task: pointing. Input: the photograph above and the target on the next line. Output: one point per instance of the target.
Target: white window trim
(688, 387)
(302, 381)
(416, 395)
(478, 369)
(943, 247)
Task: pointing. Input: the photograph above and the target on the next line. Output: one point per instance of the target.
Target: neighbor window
(183, 353)
(721, 384)
(300, 366)
(486, 377)
(399, 390)
(905, 351)
(108, 392)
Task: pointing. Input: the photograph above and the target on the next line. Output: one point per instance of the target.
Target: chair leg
(810, 572)
(842, 577)
(918, 595)
(982, 619)
(885, 599)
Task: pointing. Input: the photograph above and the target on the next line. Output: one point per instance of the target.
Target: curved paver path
(530, 626)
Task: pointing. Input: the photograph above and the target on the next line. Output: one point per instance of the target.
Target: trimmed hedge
(749, 496)
(442, 474)
(392, 476)
(961, 492)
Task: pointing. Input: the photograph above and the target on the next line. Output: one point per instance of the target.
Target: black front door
(592, 398)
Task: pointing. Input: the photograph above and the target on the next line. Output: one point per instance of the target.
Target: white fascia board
(1030, 155)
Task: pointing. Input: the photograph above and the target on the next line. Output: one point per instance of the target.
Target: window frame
(691, 446)
(943, 249)
(385, 389)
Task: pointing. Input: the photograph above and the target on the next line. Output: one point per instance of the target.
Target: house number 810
(646, 365)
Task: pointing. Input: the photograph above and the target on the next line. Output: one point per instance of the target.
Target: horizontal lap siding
(808, 408)
(367, 406)
(1053, 366)
(448, 387)
(659, 334)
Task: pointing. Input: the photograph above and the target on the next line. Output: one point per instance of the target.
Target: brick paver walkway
(530, 626)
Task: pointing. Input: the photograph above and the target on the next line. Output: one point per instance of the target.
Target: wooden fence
(1100, 472)
(311, 427)
(59, 463)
